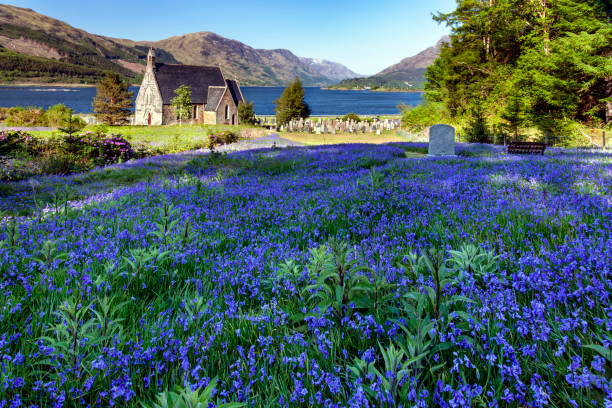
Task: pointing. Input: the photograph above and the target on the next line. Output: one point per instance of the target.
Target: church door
(233, 119)
(149, 119)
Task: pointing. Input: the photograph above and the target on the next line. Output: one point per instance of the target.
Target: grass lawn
(329, 139)
(158, 135)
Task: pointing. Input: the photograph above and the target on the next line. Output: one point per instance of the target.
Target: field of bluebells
(337, 276)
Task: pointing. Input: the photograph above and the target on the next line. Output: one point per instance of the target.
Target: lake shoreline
(330, 103)
(48, 85)
(395, 90)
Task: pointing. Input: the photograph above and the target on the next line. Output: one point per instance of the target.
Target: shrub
(3, 113)
(16, 169)
(29, 116)
(221, 138)
(56, 115)
(351, 116)
(422, 116)
(97, 150)
(62, 163)
(15, 141)
(109, 149)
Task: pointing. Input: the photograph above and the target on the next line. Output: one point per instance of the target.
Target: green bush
(221, 138)
(351, 116)
(3, 113)
(12, 142)
(29, 116)
(57, 114)
(423, 116)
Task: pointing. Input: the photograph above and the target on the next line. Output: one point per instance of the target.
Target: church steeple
(151, 58)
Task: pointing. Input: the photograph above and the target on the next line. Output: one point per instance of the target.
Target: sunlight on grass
(329, 139)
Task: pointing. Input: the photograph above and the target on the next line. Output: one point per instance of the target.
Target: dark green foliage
(246, 114)
(383, 82)
(477, 130)
(221, 138)
(12, 142)
(351, 116)
(82, 60)
(14, 66)
(548, 62)
(113, 101)
(514, 115)
(291, 104)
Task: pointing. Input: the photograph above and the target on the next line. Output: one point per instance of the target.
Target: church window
(226, 112)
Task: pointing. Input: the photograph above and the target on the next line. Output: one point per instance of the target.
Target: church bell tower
(151, 59)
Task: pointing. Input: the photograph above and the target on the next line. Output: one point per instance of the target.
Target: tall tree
(246, 113)
(113, 102)
(181, 103)
(291, 104)
(554, 55)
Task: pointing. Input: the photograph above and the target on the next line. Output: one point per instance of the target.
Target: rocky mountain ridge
(34, 47)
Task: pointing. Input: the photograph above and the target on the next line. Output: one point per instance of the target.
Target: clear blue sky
(366, 36)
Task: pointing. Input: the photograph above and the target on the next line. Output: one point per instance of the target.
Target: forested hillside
(540, 63)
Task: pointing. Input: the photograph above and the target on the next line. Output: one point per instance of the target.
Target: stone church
(215, 99)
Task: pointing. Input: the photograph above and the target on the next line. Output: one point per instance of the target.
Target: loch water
(321, 101)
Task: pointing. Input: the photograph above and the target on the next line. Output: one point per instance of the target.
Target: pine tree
(246, 114)
(514, 115)
(556, 52)
(181, 103)
(291, 104)
(113, 102)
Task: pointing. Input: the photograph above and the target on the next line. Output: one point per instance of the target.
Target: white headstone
(442, 140)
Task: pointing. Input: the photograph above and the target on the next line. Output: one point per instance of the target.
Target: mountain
(409, 73)
(34, 47)
(249, 65)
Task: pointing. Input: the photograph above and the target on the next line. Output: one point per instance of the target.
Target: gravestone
(441, 140)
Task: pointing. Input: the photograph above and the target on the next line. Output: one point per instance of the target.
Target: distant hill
(37, 48)
(249, 65)
(409, 73)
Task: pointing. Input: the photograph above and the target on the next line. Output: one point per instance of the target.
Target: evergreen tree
(71, 124)
(556, 52)
(113, 102)
(246, 114)
(181, 103)
(513, 115)
(478, 130)
(291, 104)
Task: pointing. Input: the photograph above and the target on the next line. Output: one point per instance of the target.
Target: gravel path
(24, 128)
(272, 140)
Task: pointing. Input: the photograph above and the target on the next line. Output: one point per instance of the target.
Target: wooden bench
(526, 148)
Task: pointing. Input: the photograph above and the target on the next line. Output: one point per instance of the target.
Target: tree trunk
(609, 103)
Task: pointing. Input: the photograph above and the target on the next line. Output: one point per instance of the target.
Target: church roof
(235, 91)
(170, 77)
(215, 93)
